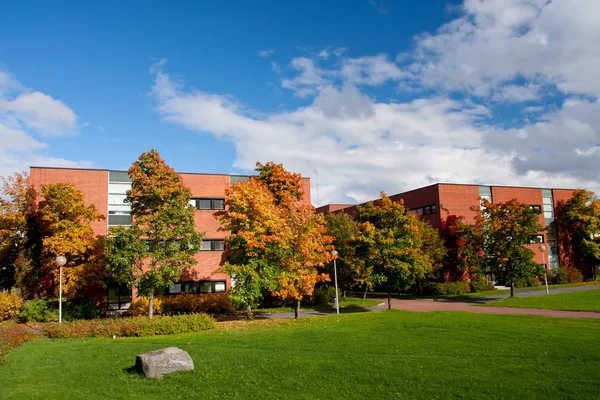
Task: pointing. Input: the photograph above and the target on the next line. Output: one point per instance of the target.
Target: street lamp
(337, 303)
(543, 249)
(60, 261)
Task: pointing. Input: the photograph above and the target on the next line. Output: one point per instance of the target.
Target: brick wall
(458, 200)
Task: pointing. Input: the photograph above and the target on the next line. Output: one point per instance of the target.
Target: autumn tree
(432, 249)
(276, 244)
(580, 226)
(162, 240)
(391, 243)
(464, 244)
(253, 250)
(350, 268)
(507, 229)
(15, 202)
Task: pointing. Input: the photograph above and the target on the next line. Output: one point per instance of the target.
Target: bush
(575, 275)
(38, 311)
(481, 285)
(9, 306)
(527, 282)
(12, 336)
(447, 289)
(188, 303)
(139, 307)
(567, 275)
(127, 327)
(80, 309)
(323, 295)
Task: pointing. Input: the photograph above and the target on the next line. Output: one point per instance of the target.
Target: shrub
(575, 275)
(9, 306)
(323, 295)
(527, 282)
(481, 285)
(188, 303)
(80, 309)
(38, 311)
(13, 335)
(561, 276)
(139, 307)
(447, 289)
(126, 327)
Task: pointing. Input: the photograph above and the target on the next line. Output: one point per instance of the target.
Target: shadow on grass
(131, 371)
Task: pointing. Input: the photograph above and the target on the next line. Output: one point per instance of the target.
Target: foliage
(33, 233)
(580, 227)
(464, 245)
(38, 311)
(12, 336)
(432, 245)
(125, 327)
(323, 295)
(15, 201)
(527, 282)
(276, 244)
(139, 307)
(81, 308)
(188, 303)
(162, 240)
(447, 288)
(9, 305)
(391, 243)
(481, 285)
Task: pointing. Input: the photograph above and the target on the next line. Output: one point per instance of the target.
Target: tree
(464, 244)
(432, 249)
(580, 226)
(345, 232)
(253, 250)
(391, 244)
(276, 245)
(162, 240)
(507, 229)
(14, 205)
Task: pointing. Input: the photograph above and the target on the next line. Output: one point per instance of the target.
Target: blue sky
(359, 95)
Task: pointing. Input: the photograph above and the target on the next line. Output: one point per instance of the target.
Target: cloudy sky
(359, 95)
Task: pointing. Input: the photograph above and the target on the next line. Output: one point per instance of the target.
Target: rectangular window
(190, 287)
(118, 296)
(208, 204)
(119, 218)
(205, 287)
(174, 289)
(219, 286)
(425, 210)
(196, 287)
(213, 245)
(238, 178)
(204, 204)
(536, 239)
(206, 245)
(535, 207)
(118, 176)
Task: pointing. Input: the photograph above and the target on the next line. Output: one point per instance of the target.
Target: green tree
(345, 232)
(391, 243)
(432, 249)
(464, 244)
(507, 229)
(162, 240)
(580, 226)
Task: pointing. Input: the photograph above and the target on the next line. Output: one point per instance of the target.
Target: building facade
(107, 191)
(436, 202)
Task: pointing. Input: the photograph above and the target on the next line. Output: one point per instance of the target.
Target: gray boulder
(157, 363)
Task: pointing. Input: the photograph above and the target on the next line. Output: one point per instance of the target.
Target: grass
(344, 303)
(576, 301)
(387, 354)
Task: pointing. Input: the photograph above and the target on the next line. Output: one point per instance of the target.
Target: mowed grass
(349, 302)
(387, 354)
(576, 301)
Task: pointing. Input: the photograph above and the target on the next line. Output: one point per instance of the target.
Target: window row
(207, 204)
(536, 239)
(426, 210)
(213, 245)
(196, 287)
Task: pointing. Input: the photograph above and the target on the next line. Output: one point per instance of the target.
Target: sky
(359, 95)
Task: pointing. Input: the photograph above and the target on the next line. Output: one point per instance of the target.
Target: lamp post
(543, 250)
(337, 303)
(60, 261)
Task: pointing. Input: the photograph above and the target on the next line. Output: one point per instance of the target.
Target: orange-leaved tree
(162, 240)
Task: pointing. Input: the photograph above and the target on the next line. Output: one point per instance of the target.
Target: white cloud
(28, 117)
(355, 145)
(266, 53)
(517, 94)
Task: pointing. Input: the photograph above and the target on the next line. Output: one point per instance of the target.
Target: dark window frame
(128, 295)
(213, 246)
(214, 201)
(198, 285)
(532, 239)
(537, 207)
(430, 209)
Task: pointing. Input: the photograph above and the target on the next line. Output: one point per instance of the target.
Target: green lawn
(349, 302)
(576, 301)
(386, 354)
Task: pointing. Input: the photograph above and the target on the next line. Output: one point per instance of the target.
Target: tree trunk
(365, 294)
(420, 288)
(512, 288)
(150, 303)
(344, 294)
(389, 293)
(297, 309)
(249, 311)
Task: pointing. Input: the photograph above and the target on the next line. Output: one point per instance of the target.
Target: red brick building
(106, 189)
(436, 202)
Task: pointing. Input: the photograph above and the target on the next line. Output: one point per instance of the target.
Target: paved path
(425, 305)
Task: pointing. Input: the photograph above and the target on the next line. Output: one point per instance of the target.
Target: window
(197, 287)
(238, 178)
(425, 210)
(118, 297)
(485, 192)
(536, 239)
(119, 212)
(207, 204)
(213, 245)
(535, 207)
